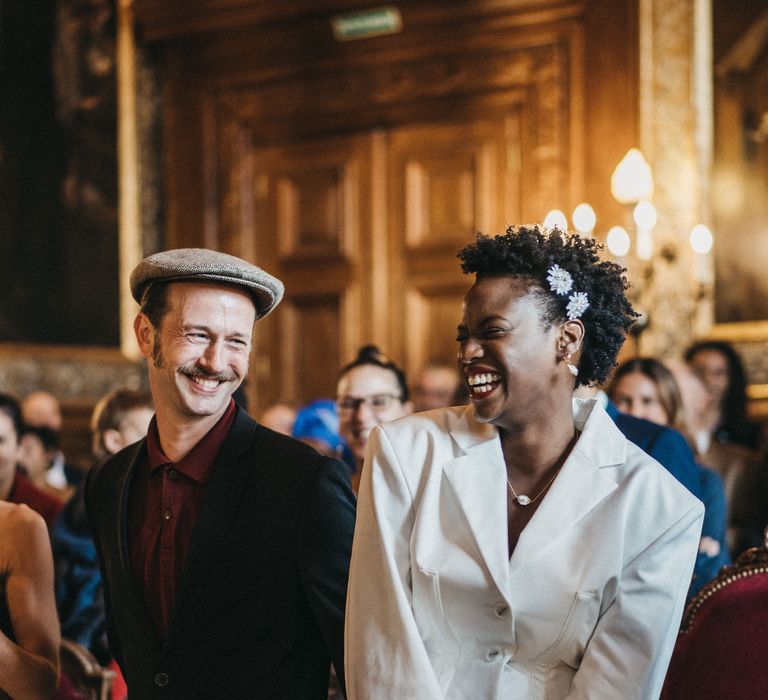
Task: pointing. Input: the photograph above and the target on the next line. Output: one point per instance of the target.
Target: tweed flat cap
(204, 265)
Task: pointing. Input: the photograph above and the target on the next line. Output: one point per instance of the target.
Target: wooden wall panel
(309, 225)
(446, 182)
(432, 316)
(355, 170)
(309, 345)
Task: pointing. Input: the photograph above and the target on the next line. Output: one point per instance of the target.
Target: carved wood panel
(446, 181)
(355, 175)
(311, 224)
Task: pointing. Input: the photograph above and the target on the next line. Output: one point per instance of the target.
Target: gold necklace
(524, 500)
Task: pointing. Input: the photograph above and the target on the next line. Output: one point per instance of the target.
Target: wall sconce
(632, 180)
(632, 185)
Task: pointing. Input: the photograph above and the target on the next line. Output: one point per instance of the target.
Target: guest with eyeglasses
(371, 390)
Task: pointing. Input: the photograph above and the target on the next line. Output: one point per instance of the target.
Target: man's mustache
(197, 371)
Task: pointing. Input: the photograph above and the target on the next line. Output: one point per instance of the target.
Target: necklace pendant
(523, 500)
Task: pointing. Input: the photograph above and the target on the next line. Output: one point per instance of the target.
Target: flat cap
(204, 265)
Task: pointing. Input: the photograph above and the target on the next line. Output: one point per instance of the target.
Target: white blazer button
(492, 654)
(501, 610)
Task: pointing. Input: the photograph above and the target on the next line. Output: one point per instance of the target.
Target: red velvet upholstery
(722, 650)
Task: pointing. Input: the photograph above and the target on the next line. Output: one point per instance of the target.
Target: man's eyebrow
(207, 329)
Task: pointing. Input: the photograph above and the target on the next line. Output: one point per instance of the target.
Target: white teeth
(480, 390)
(205, 383)
(485, 378)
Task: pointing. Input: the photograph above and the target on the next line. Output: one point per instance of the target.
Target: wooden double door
(364, 230)
(356, 171)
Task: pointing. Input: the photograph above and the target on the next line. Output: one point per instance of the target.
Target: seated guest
(29, 631)
(370, 390)
(720, 369)
(436, 386)
(41, 409)
(14, 486)
(38, 447)
(278, 417)
(317, 424)
(646, 389)
(119, 419)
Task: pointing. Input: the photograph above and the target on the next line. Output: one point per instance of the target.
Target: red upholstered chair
(722, 649)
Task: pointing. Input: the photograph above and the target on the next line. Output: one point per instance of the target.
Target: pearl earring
(573, 369)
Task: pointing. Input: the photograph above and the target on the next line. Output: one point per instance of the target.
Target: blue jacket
(670, 449)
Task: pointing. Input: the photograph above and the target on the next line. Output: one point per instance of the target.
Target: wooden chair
(722, 649)
(82, 676)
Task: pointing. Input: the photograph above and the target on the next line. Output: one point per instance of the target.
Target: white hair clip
(578, 303)
(561, 282)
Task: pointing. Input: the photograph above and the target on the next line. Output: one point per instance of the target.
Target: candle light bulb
(645, 215)
(701, 239)
(556, 219)
(618, 241)
(632, 180)
(584, 219)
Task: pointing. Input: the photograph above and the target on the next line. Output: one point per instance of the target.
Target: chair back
(722, 649)
(82, 676)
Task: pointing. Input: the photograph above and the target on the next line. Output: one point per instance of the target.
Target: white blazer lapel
(580, 486)
(478, 480)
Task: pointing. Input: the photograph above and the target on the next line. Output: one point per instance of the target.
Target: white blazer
(587, 607)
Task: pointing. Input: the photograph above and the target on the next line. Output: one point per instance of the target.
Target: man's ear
(571, 340)
(145, 334)
(113, 441)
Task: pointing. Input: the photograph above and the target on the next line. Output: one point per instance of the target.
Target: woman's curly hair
(529, 252)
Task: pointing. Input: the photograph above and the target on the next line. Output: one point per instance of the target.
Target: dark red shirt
(165, 501)
(24, 491)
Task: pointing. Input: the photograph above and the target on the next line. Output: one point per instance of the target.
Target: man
(436, 386)
(224, 546)
(14, 486)
(41, 409)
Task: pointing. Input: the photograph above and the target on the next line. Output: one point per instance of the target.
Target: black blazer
(260, 607)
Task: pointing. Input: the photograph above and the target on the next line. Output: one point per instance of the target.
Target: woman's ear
(571, 340)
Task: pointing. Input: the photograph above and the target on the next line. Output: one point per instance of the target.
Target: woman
(726, 440)
(29, 628)
(370, 390)
(645, 388)
(520, 547)
(719, 368)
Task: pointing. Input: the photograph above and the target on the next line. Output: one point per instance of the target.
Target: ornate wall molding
(672, 115)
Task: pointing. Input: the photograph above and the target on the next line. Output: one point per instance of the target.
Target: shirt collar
(197, 464)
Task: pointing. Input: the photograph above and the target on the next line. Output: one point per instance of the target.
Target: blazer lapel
(133, 596)
(582, 484)
(222, 494)
(478, 481)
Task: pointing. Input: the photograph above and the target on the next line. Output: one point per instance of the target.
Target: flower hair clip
(561, 282)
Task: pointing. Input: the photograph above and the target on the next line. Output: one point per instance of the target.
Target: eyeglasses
(376, 403)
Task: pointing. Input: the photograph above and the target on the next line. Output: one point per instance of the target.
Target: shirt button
(501, 610)
(492, 654)
(167, 515)
(172, 474)
(161, 680)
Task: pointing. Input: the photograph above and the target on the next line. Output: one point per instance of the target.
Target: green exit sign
(367, 23)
